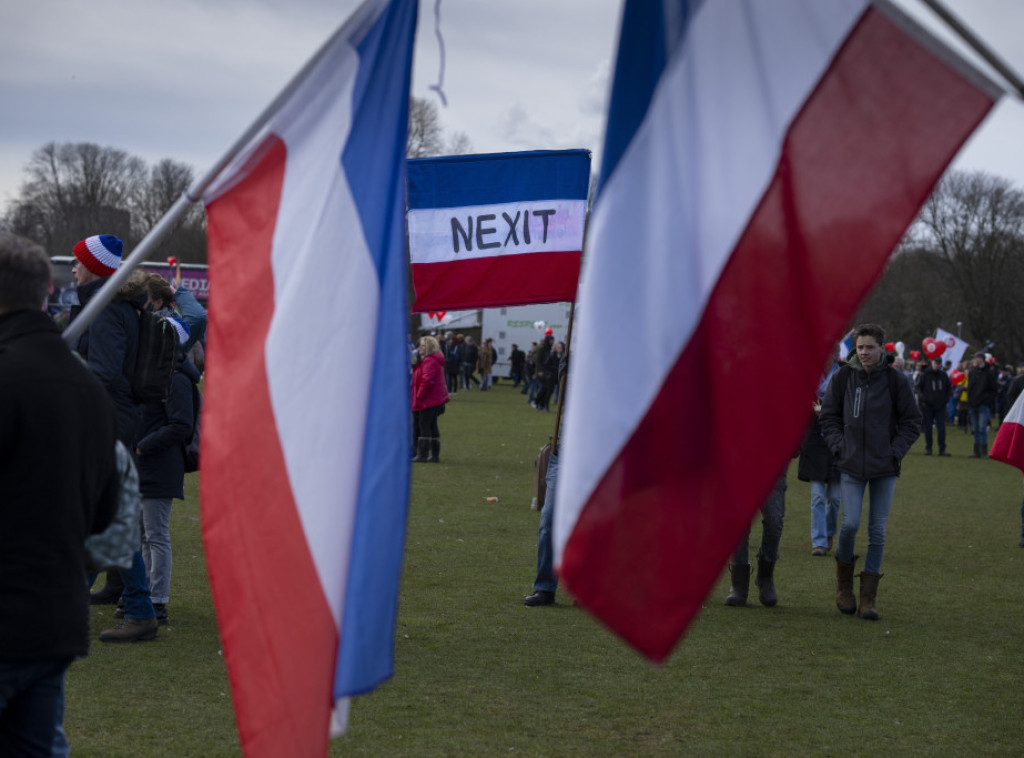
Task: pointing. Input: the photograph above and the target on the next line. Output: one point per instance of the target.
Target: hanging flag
(761, 161)
(501, 229)
(306, 421)
(1008, 446)
(955, 347)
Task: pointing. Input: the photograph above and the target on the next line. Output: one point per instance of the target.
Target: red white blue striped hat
(100, 254)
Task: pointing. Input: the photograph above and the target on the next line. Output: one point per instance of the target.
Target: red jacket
(428, 383)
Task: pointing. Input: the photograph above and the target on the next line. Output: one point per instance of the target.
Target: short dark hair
(869, 330)
(25, 273)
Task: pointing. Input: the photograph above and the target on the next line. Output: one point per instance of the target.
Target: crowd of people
(63, 415)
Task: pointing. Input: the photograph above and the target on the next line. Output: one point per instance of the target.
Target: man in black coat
(57, 486)
(982, 387)
(935, 389)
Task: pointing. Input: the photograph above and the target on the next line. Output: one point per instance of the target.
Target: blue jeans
(534, 387)
(824, 512)
(30, 703)
(546, 580)
(980, 417)
(137, 602)
(880, 503)
(938, 417)
(156, 546)
(773, 510)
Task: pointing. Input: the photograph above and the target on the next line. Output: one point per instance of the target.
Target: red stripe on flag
(275, 624)
(521, 279)
(857, 163)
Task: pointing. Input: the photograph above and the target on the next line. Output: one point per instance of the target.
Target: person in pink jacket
(429, 394)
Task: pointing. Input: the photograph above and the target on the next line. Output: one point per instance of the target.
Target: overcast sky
(182, 80)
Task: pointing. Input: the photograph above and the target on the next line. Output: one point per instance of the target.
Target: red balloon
(932, 347)
(172, 261)
(957, 376)
(890, 347)
(915, 355)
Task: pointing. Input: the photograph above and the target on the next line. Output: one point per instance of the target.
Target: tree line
(73, 190)
(960, 266)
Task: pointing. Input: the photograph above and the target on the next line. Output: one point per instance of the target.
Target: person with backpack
(869, 418)
(110, 348)
(166, 427)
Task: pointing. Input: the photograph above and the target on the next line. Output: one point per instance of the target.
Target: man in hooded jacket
(869, 418)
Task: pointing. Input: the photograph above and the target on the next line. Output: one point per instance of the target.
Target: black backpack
(156, 359)
(191, 448)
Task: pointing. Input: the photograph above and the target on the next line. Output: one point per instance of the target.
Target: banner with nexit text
(496, 229)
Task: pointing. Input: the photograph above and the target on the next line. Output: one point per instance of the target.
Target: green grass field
(478, 673)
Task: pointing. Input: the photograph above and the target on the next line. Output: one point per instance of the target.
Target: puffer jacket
(868, 431)
(428, 383)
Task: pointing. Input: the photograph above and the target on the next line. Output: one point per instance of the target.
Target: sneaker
(943, 454)
(162, 619)
(819, 551)
(131, 630)
(928, 451)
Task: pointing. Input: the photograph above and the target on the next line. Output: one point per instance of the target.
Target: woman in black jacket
(166, 427)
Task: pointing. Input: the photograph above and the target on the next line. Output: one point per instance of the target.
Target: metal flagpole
(978, 45)
(364, 14)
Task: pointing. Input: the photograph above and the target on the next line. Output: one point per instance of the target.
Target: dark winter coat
(110, 347)
(58, 484)
(982, 386)
(428, 383)
(866, 428)
(517, 361)
(816, 464)
(166, 427)
(935, 388)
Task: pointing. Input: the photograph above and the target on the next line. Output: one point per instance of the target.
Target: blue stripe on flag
(461, 180)
(373, 161)
(650, 31)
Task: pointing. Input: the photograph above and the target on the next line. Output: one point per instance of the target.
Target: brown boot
(131, 630)
(740, 573)
(845, 601)
(868, 590)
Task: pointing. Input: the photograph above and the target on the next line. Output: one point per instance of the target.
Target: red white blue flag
(1008, 446)
(305, 446)
(500, 229)
(762, 160)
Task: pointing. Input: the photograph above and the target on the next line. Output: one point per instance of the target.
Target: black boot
(422, 446)
(111, 592)
(740, 573)
(766, 583)
(435, 450)
(976, 453)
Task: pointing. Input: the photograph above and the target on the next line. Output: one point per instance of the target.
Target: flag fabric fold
(761, 162)
(1008, 446)
(497, 229)
(305, 433)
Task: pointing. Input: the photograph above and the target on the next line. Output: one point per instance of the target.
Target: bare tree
(962, 261)
(426, 135)
(974, 223)
(424, 129)
(74, 190)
